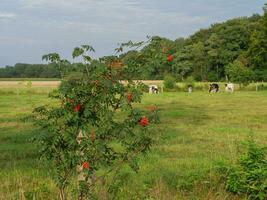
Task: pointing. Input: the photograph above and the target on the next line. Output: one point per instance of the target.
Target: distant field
(197, 130)
(21, 84)
(46, 83)
(29, 79)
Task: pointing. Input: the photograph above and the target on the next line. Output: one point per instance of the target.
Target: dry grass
(21, 84)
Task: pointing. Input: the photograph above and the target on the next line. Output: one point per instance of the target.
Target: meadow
(197, 131)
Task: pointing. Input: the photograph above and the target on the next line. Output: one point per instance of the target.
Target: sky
(32, 28)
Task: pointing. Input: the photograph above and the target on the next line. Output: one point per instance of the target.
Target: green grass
(196, 131)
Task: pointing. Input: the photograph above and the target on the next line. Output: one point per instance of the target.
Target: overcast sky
(31, 28)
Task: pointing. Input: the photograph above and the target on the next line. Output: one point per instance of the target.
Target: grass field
(196, 132)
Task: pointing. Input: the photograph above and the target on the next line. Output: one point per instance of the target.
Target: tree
(55, 59)
(214, 44)
(169, 82)
(257, 52)
(183, 63)
(238, 72)
(199, 60)
(84, 131)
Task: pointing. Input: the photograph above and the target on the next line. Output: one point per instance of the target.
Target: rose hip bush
(95, 124)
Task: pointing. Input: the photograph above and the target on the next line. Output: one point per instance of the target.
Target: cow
(190, 88)
(153, 89)
(214, 87)
(229, 87)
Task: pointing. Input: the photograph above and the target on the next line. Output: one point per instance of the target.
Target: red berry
(86, 165)
(77, 108)
(129, 97)
(170, 58)
(143, 121)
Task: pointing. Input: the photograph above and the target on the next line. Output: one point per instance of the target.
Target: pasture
(197, 131)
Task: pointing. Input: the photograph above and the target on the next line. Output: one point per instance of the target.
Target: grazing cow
(190, 88)
(153, 89)
(214, 87)
(229, 87)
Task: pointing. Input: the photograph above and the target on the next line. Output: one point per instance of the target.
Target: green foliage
(55, 59)
(84, 127)
(204, 55)
(169, 82)
(258, 48)
(190, 81)
(183, 63)
(30, 71)
(238, 72)
(249, 175)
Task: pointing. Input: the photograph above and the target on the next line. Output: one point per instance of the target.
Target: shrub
(84, 134)
(169, 82)
(238, 72)
(190, 80)
(249, 175)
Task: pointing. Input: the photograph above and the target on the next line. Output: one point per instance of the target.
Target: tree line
(21, 70)
(235, 50)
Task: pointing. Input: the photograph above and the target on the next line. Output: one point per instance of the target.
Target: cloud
(58, 25)
(18, 40)
(77, 5)
(113, 16)
(6, 15)
(123, 10)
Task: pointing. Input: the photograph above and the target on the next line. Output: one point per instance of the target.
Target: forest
(235, 50)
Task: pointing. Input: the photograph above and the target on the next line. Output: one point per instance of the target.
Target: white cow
(153, 89)
(229, 87)
(190, 88)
